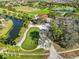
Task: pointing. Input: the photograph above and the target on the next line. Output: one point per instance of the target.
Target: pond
(13, 33)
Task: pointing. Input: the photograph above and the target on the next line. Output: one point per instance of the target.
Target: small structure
(43, 17)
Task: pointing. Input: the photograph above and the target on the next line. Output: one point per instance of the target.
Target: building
(43, 16)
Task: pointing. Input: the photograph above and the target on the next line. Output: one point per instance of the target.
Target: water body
(13, 33)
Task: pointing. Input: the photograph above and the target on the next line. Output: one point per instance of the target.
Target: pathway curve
(24, 36)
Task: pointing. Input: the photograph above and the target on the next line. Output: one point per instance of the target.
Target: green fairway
(29, 42)
(31, 10)
(45, 11)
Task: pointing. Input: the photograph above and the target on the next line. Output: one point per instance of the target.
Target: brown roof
(44, 16)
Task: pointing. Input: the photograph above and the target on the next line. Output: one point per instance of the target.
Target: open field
(29, 43)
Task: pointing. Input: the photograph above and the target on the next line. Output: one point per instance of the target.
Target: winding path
(24, 36)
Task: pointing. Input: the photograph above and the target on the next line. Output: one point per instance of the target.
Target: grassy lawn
(21, 32)
(31, 11)
(8, 26)
(29, 43)
(24, 57)
(45, 11)
(17, 49)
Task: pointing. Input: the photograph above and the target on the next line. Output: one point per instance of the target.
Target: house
(44, 17)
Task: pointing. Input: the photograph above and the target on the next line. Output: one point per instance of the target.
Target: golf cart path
(24, 36)
(68, 51)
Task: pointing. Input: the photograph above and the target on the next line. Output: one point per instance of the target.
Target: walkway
(69, 51)
(53, 53)
(24, 36)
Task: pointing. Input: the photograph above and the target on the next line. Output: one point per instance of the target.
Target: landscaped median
(32, 38)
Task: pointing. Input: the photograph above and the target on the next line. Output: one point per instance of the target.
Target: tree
(19, 16)
(34, 35)
(4, 11)
(56, 31)
(3, 37)
(1, 57)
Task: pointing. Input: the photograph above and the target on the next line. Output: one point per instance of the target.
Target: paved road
(53, 53)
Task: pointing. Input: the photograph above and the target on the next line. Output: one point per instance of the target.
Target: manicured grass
(7, 27)
(45, 11)
(21, 32)
(31, 11)
(29, 43)
(24, 57)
